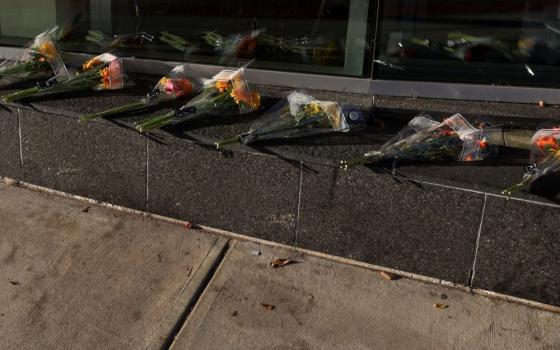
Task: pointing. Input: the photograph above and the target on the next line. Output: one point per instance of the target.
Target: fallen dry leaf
(188, 225)
(15, 283)
(276, 263)
(86, 209)
(268, 307)
(389, 276)
(441, 306)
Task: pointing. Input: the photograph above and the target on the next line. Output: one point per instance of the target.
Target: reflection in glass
(514, 42)
(323, 36)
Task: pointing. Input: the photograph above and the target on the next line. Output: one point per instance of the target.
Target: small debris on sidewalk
(188, 225)
(444, 297)
(15, 283)
(441, 306)
(256, 253)
(276, 263)
(389, 276)
(86, 209)
(11, 182)
(542, 104)
(268, 307)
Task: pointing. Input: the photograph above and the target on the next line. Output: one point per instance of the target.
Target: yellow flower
(313, 108)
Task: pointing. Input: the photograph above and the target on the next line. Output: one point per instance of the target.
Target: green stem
(231, 141)
(118, 110)
(514, 189)
(346, 164)
(20, 95)
(155, 123)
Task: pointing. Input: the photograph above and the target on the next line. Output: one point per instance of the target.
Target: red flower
(547, 143)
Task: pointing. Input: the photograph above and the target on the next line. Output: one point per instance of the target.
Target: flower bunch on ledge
(424, 139)
(545, 158)
(39, 60)
(104, 72)
(177, 84)
(297, 115)
(227, 93)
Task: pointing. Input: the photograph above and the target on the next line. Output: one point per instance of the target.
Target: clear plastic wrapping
(424, 139)
(39, 60)
(237, 46)
(298, 115)
(103, 72)
(177, 84)
(545, 157)
(227, 93)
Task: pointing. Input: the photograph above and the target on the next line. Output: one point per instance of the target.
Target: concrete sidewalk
(81, 276)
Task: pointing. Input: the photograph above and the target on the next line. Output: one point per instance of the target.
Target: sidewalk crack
(298, 210)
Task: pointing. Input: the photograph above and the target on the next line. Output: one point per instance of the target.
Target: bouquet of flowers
(118, 41)
(235, 46)
(296, 116)
(177, 84)
(545, 157)
(39, 60)
(227, 93)
(104, 72)
(424, 139)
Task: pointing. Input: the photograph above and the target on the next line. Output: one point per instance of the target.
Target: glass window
(513, 42)
(319, 36)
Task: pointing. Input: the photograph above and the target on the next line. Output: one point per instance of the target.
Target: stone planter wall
(444, 221)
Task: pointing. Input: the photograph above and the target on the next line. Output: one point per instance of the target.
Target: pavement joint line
(147, 174)
(216, 282)
(20, 141)
(551, 205)
(202, 286)
(245, 238)
(477, 246)
(298, 212)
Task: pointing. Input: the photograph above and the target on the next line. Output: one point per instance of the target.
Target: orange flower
(243, 95)
(483, 144)
(47, 49)
(106, 78)
(547, 143)
(447, 133)
(222, 85)
(91, 64)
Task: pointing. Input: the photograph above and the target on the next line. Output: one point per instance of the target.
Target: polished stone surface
(252, 194)
(519, 249)
(10, 163)
(93, 160)
(372, 217)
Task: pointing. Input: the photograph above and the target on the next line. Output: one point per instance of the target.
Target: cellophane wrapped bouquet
(104, 72)
(298, 115)
(424, 139)
(227, 93)
(40, 60)
(175, 85)
(545, 158)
